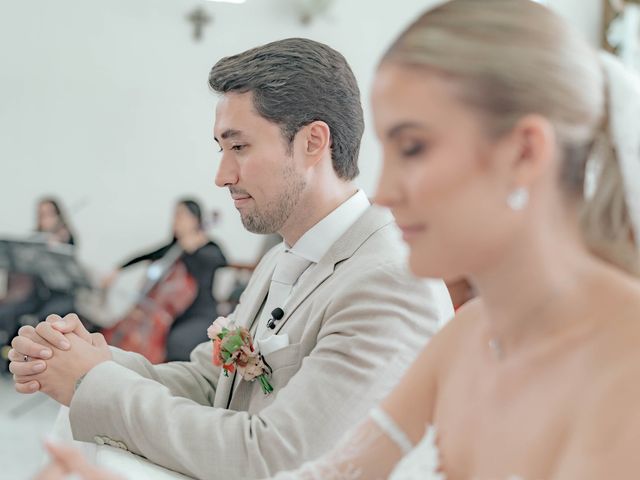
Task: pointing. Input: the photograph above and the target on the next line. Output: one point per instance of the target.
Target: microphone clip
(276, 315)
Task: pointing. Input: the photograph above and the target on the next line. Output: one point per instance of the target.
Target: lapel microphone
(276, 315)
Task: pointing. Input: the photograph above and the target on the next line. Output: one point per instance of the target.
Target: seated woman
(201, 257)
(29, 299)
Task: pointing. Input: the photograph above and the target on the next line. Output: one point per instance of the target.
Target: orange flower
(216, 352)
(233, 348)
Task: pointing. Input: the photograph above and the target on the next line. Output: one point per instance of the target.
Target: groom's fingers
(28, 387)
(20, 368)
(30, 344)
(71, 323)
(53, 336)
(98, 340)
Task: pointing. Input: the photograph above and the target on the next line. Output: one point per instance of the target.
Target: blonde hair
(515, 57)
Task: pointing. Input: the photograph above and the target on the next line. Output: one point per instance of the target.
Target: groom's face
(257, 165)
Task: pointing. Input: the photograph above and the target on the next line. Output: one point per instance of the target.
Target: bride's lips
(410, 232)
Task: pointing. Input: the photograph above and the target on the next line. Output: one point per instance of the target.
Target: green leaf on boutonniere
(233, 343)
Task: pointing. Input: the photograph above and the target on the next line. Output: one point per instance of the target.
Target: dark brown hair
(295, 82)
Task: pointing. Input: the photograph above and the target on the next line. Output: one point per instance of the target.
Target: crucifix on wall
(198, 18)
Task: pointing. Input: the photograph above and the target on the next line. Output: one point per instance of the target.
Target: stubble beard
(271, 217)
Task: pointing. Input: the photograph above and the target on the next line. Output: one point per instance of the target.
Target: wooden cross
(199, 19)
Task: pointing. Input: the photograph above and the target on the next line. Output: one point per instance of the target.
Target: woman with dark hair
(52, 222)
(201, 257)
(29, 299)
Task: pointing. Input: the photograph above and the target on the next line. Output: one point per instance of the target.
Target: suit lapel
(246, 312)
(223, 392)
(257, 293)
(370, 222)
(323, 270)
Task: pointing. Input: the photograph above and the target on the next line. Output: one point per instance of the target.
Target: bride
(490, 113)
(493, 116)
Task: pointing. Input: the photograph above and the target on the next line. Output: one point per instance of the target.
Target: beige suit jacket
(355, 322)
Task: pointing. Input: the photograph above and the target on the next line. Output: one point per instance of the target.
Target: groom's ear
(316, 142)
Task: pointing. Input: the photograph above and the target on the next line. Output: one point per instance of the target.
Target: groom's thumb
(70, 323)
(97, 340)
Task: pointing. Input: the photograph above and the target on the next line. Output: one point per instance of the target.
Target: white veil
(624, 128)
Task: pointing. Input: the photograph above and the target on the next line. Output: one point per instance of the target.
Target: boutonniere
(233, 350)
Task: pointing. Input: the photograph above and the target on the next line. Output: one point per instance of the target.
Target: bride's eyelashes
(413, 149)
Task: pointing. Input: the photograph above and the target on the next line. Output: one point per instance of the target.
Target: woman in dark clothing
(53, 227)
(29, 300)
(201, 257)
(34, 298)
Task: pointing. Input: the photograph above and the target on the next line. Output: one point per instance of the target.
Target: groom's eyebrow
(227, 134)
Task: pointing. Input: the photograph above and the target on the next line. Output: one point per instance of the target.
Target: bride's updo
(515, 57)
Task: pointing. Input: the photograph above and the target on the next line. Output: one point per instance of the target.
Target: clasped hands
(54, 355)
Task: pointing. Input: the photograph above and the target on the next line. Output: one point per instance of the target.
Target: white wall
(105, 104)
(585, 15)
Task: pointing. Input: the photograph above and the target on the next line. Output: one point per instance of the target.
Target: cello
(168, 291)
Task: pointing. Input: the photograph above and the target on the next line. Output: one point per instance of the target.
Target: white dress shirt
(317, 241)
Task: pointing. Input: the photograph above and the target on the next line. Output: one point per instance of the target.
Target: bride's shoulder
(458, 333)
(631, 300)
(607, 430)
(469, 312)
(411, 403)
(615, 344)
(608, 422)
(465, 325)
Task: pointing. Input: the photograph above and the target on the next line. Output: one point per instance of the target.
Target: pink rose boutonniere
(233, 350)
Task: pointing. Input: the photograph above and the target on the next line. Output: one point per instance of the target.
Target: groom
(350, 319)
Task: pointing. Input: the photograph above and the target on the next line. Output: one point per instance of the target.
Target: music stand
(56, 265)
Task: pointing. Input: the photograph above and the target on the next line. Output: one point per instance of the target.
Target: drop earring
(518, 199)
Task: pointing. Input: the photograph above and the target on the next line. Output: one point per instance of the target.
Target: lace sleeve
(370, 451)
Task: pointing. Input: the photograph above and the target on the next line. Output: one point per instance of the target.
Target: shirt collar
(317, 241)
